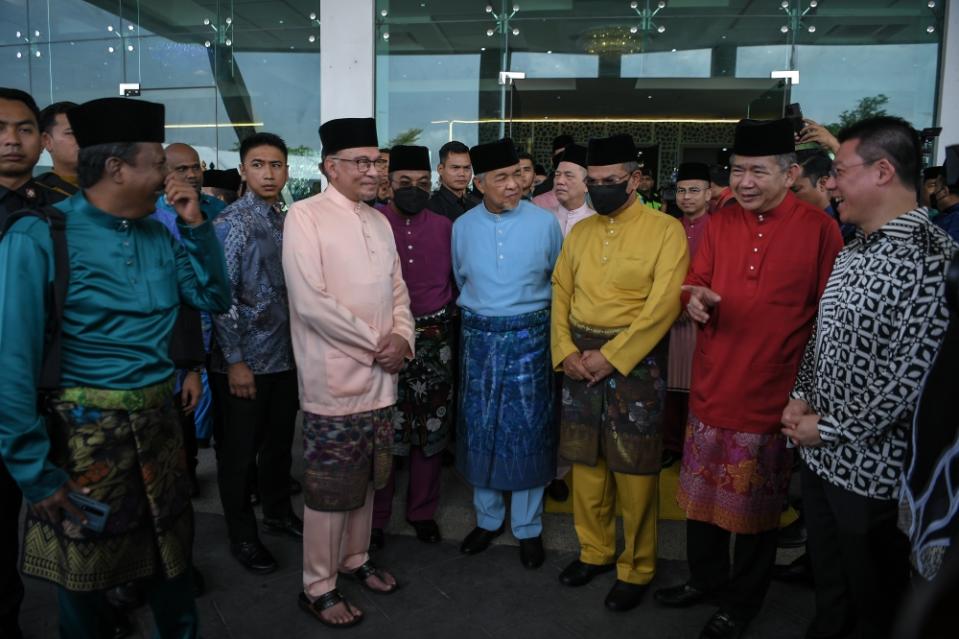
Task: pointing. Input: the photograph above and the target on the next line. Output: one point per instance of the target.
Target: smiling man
(352, 332)
(111, 431)
(753, 287)
(881, 321)
(503, 255)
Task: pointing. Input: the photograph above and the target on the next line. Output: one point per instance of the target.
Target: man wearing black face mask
(616, 289)
(423, 418)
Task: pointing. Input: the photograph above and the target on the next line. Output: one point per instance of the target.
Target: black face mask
(410, 200)
(608, 198)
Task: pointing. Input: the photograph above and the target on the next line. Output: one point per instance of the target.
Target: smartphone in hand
(96, 512)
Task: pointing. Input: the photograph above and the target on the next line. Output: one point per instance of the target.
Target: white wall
(347, 81)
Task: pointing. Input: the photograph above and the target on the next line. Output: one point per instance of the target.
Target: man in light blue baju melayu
(503, 255)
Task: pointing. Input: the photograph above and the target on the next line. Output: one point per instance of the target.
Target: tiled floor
(444, 594)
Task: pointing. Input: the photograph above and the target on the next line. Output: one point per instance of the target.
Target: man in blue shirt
(253, 372)
(504, 251)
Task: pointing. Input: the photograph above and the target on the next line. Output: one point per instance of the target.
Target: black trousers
(860, 559)
(188, 426)
(742, 589)
(255, 431)
(11, 586)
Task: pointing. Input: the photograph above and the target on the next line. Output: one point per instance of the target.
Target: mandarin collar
(81, 206)
(632, 212)
(344, 202)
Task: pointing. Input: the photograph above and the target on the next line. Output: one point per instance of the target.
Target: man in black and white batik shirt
(881, 321)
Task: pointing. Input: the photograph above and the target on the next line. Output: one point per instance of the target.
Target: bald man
(192, 390)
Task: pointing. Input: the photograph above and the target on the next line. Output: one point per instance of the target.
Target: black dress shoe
(531, 552)
(798, 571)
(793, 536)
(290, 525)
(625, 596)
(479, 540)
(680, 596)
(723, 625)
(579, 574)
(558, 490)
(377, 538)
(253, 556)
(295, 487)
(426, 531)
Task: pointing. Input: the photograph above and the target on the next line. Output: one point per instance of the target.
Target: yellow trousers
(595, 490)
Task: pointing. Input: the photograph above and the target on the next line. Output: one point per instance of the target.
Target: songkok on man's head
(493, 156)
(560, 142)
(117, 120)
(692, 171)
(612, 150)
(931, 173)
(348, 133)
(228, 180)
(409, 158)
(757, 138)
(574, 153)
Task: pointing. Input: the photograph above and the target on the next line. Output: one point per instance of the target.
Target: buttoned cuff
(828, 429)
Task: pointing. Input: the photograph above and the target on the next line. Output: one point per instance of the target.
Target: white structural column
(949, 82)
(347, 78)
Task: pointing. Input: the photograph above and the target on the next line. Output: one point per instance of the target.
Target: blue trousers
(87, 615)
(526, 510)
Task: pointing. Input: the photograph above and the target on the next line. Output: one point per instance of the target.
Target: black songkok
(409, 158)
(492, 156)
(931, 173)
(574, 153)
(612, 150)
(228, 180)
(348, 133)
(561, 142)
(757, 138)
(117, 120)
(693, 171)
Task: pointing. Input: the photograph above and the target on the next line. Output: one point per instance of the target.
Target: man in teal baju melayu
(110, 430)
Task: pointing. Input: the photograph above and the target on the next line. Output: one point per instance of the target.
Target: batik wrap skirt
(506, 437)
(620, 418)
(425, 392)
(343, 453)
(126, 447)
(734, 480)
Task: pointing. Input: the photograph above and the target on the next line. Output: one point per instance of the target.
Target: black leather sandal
(326, 601)
(367, 570)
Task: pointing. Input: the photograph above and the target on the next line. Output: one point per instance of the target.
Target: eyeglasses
(381, 162)
(693, 190)
(362, 164)
(837, 173)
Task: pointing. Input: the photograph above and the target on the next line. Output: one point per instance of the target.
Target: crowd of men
(542, 327)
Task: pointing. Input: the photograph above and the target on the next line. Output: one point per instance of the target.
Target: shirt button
(500, 257)
(760, 235)
(411, 261)
(126, 244)
(409, 246)
(129, 262)
(761, 218)
(500, 231)
(606, 242)
(752, 268)
(755, 250)
(409, 232)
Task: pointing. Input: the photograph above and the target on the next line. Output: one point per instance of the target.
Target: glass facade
(223, 69)
(676, 74)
